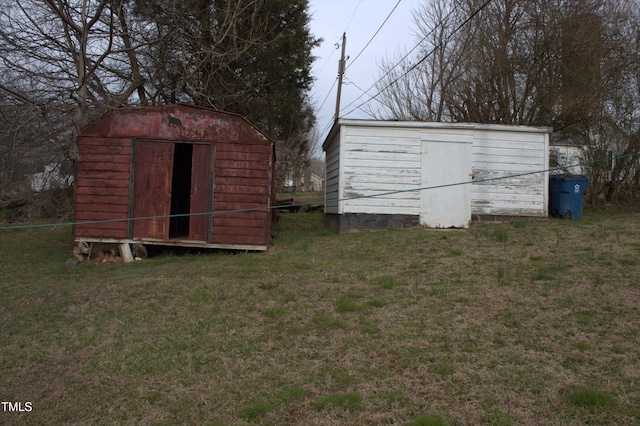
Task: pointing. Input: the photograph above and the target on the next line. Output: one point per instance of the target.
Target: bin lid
(567, 176)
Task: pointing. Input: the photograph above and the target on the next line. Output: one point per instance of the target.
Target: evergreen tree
(249, 57)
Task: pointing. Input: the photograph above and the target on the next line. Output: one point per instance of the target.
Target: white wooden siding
(509, 173)
(367, 158)
(332, 180)
(381, 161)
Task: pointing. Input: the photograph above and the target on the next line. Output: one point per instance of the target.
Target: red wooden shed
(174, 175)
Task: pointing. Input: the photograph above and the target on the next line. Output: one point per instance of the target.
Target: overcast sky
(360, 19)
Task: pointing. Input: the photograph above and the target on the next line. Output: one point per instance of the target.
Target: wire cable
(414, 66)
(375, 34)
(335, 81)
(417, 45)
(326, 202)
(327, 97)
(352, 16)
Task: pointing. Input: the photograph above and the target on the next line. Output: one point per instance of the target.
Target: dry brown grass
(515, 323)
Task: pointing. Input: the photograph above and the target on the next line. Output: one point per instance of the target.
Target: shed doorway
(173, 183)
(181, 191)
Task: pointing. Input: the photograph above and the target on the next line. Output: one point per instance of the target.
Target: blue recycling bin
(567, 193)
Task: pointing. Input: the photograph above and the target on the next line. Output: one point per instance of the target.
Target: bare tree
(601, 104)
(252, 57)
(294, 152)
(71, 57)
(20, 125)
(73, 60)
(568, 64)
(417, 89)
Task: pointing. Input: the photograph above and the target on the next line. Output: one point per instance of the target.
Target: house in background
(383, 174)
(174, 175)
(566, 155)
(308, 182)
(313, 182)
(51, 177)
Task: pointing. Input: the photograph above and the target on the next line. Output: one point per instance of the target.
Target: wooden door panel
(201, 195)
(152, 189)
(444, 206)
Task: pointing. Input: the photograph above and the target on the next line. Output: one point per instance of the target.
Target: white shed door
(446, 160)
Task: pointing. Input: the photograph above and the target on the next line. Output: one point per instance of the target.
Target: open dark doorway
(181, 190)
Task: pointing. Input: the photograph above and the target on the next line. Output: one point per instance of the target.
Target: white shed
(403, 173)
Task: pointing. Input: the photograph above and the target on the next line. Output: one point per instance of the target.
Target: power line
(327, 97)
(326, 61)
(360, 53)
(357, 56)
(352, 16)
(417, 45)
(375, 34)
(331, 201)
(337, 45)
(414, 66)
(351, 82)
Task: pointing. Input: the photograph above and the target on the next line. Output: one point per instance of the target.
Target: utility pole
(340, 74)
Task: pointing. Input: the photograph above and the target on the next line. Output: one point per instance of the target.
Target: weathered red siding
(243, 189)
(102, 186)
(126, 167)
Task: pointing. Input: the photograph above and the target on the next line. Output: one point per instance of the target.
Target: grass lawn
(524, 323)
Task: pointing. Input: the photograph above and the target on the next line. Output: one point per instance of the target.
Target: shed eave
(432, 125)
(331, 136)
(87, 130)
